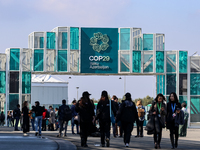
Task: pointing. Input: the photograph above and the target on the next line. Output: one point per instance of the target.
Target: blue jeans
(38, 122)
(33, 123)
(72, 124)
(16, 123)
(9, 121)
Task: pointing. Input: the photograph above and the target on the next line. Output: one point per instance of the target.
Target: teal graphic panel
(136, 61)
(2, 82)
(147, 41)
(99, 50)
(183, 99)
(148, 62)
(195, 109)
(159, 62)
(38, 60)
(74, 38)
(195, 84)
(171, 62)
(26, 82)
(14, 59)
(51, 40)
(171, 83)
(183, 61)
(161, 84)
(13, 101)
(62, 60)
(125, 39)
(64, 40)
(125, 61)
(41, 42)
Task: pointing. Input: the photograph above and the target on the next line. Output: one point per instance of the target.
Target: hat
(128, 95)
(104, 93)
(178, 109)
(86, 94)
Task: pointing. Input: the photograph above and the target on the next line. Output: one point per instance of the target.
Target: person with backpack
(38, 117)
(86, 112)
(157, 119)
(141, 112)
(65, 115)
(183, 128)
(17, 114)
(104, 108)
(127, 114)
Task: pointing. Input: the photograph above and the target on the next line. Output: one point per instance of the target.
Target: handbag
(112, 117)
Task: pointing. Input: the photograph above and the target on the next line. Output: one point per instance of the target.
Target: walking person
(52, 117)
(12, 118)
(17, 114)
(86, 113)
(127, 114)
(38, 117)
(141, 117)
(56, 119)
(9, 117)
(104, 108)
(74, 117)
(65, 115)
(173, 111)
(45, 118)
(2, 119)
(25, 113)
(183, 128)
(157, 120)
(32, 116)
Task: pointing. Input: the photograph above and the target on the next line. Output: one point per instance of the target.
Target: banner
(99, 50)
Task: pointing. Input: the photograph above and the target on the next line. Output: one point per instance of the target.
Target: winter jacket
(38, 110)
(127, 112)
(17, 113)
(86, 112)
(74, 113)
(179, 119)
(52, 116)
(170, 119)
(103, 110)
(44, 114)
(61, 110)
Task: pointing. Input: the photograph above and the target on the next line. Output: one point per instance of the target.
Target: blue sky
(179, 20)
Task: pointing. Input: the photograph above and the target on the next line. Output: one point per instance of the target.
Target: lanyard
(159, 107)
(173, 108)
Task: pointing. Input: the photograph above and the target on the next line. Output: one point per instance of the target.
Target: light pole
(77, 93)
(124, 84)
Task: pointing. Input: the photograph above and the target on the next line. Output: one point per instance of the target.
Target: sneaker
(25, 134)
(127, 145)
(137, 136)
(107, 142)
(36, 133)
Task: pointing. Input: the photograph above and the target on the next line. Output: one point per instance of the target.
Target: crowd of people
(121, 116)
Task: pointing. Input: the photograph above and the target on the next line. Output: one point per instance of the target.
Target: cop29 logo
(103, 39)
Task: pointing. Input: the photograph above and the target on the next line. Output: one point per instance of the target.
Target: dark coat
(16, 113)
(170, 120)
(26, 126)
(179, 119)
(103, 111)
(38, 110)
(86, 112)
(74, 113)
(61, 112)
(127, 112)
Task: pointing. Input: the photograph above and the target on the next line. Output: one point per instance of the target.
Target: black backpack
(67, 113)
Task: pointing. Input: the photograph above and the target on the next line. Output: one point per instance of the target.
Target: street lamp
(124, 84)
(77, 93)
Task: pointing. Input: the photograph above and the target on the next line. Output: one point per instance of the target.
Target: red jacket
(44, 114)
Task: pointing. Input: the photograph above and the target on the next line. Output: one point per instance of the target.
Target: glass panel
(14, 59)
(62, 60)
(183, 99)
(2, 62)
(2, 82)
(147, 41)
(74, 38)
(13, 101)
(26, 82)
(148, 62)
(195, 64)
(171, 62)
(39, 40)
(159, 62)
(62, 40)
(2, 102)
(14, 82)
(195, 84)
(50, 60)
(26, 97)
(136, 61)
(125, 39)
(159, 42)
(74, 61)
(124, 61)
(182, 84)
(51, 40)
(161, 84)
(195, 109)
(38, 60)
(26, 59)
(183, 61)
(30, 40)
(137, 39)
(171, 83)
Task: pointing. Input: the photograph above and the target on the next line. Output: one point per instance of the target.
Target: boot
(172, 140)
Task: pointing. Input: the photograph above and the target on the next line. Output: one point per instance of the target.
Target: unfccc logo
(99, 37)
